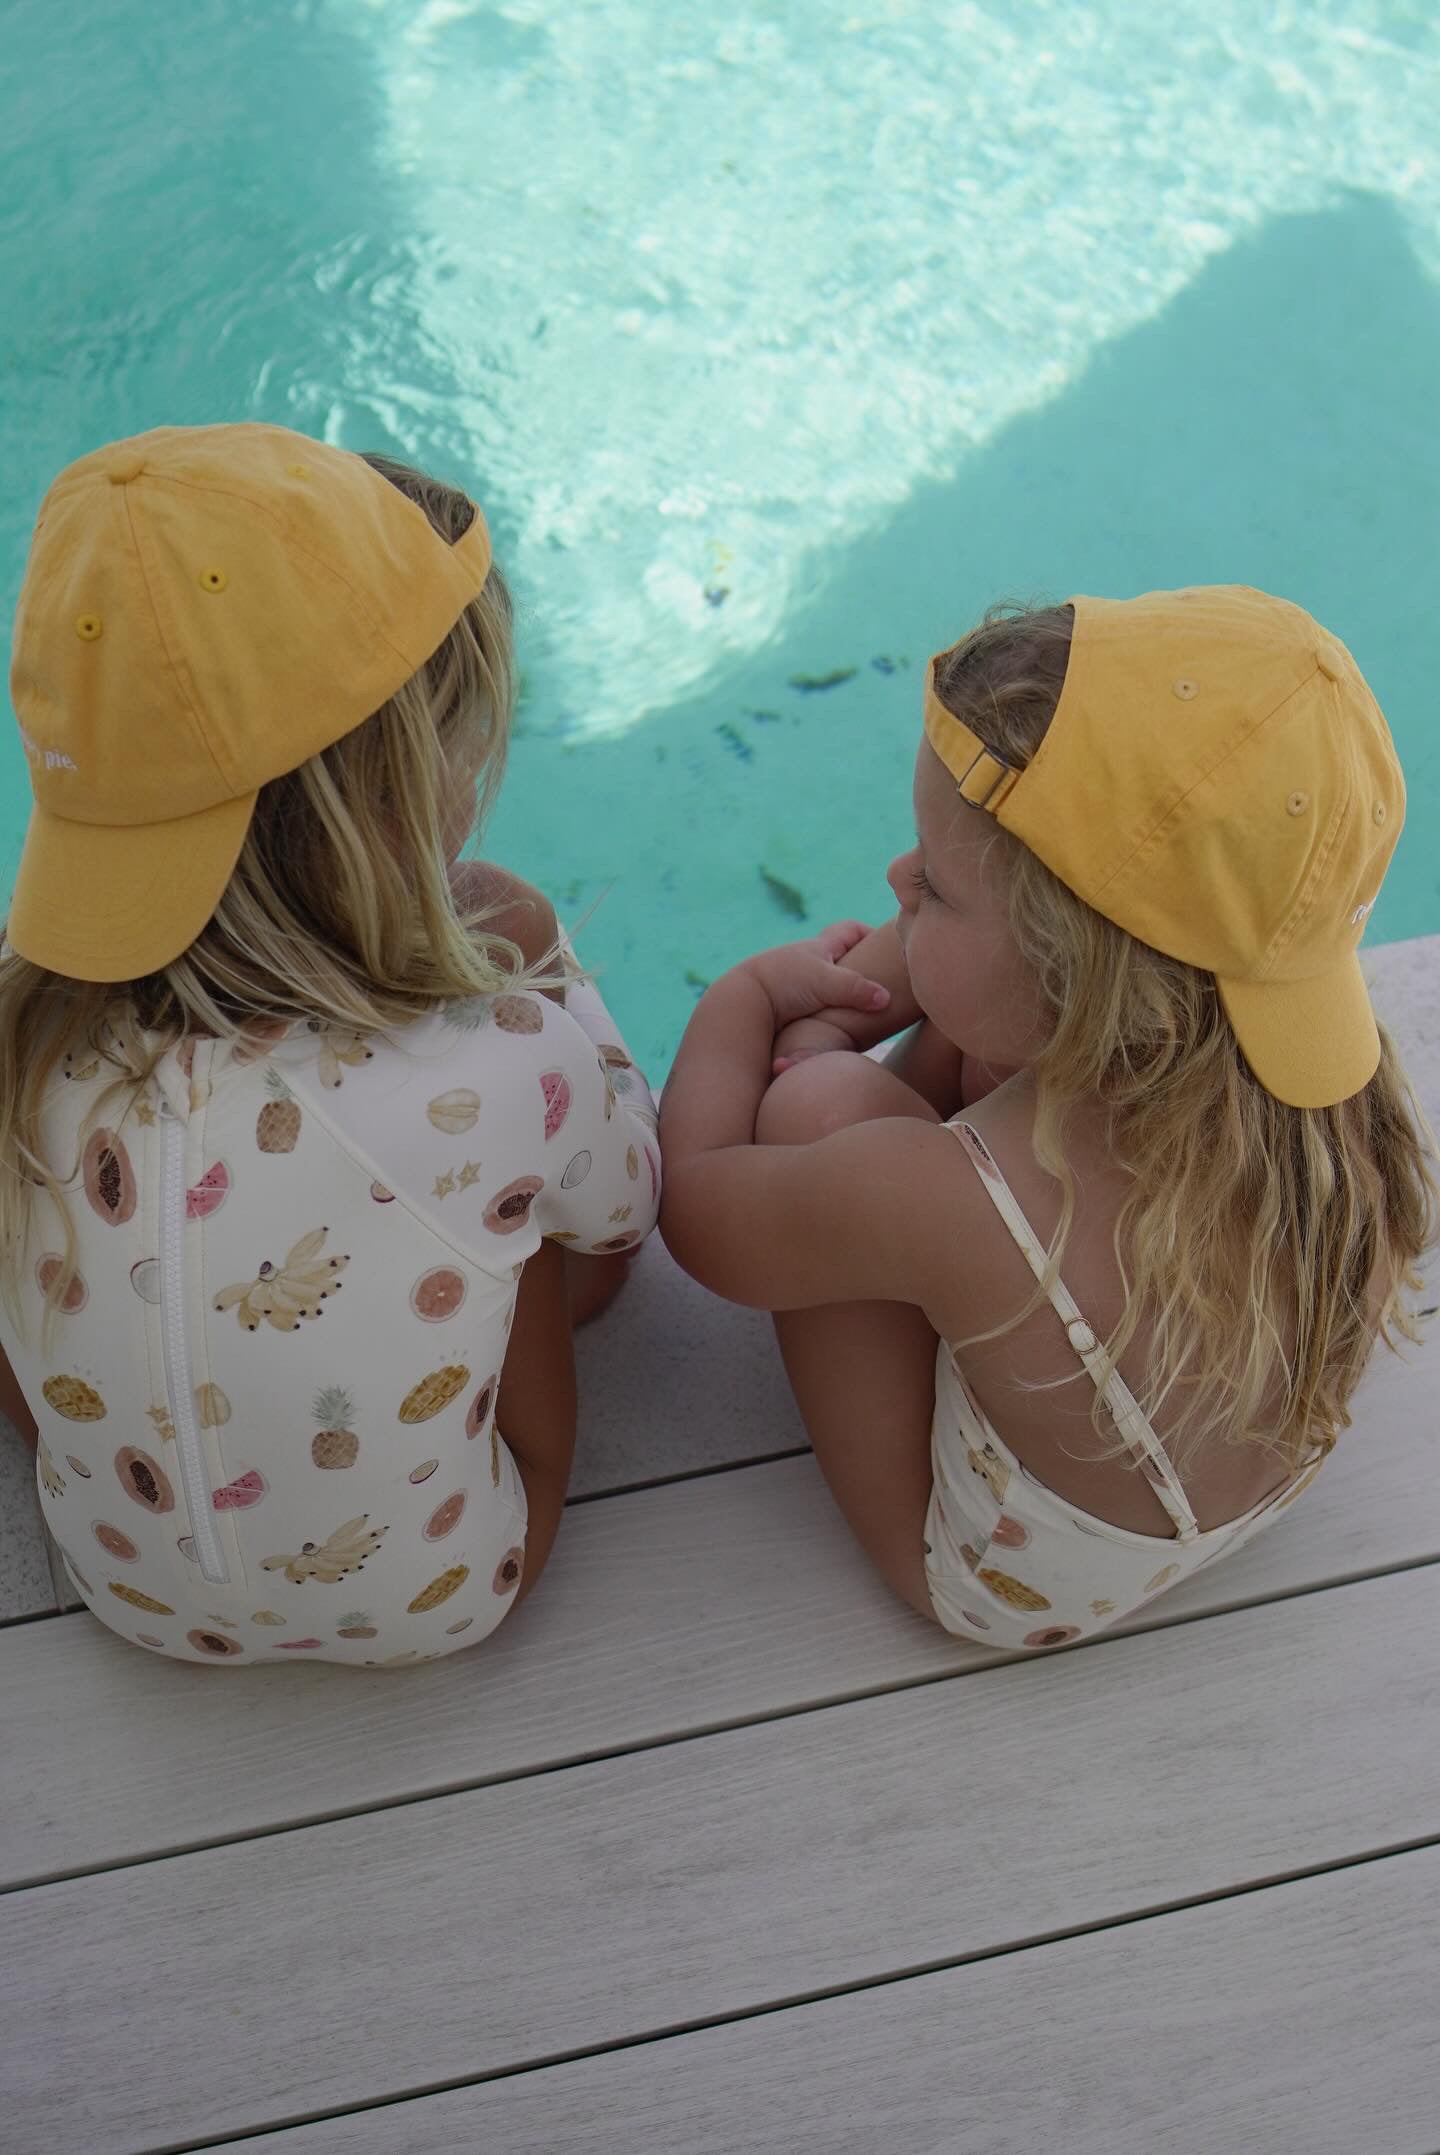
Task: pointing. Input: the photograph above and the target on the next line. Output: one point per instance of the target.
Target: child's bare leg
(592, 1283)
(863, 1373)
(536, 1408)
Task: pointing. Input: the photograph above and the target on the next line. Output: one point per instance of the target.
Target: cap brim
(97, 902)
(1310, 1042)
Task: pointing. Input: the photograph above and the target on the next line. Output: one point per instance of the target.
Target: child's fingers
(840, 936)
(852, 991)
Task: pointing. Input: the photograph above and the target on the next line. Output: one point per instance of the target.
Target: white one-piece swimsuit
(1008, 1562)
(267, 1412)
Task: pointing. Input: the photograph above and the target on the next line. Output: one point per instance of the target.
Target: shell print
(455, 1112)
(509, 1208)
(517, 1014)
(137, 1600)
(434, 1393)
(283, 1297)
(74, 1398)
(1013, 1591)
(331, 1561)
(439, 1589)
(576, 1172)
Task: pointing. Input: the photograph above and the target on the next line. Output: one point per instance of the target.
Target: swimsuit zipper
(179, 1391)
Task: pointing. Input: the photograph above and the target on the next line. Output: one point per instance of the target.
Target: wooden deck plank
(666, 1611)
(377, 1956)
(1295, 2021)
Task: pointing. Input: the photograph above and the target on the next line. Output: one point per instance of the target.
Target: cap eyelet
(1377, 813)
(1187, 690)
(89, 628)
(213, 579)
(1297, 804)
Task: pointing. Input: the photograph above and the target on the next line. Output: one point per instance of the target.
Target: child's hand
(804, 979)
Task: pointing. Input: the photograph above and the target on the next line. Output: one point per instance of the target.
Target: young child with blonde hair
(1074, 1289)
(301, 1116)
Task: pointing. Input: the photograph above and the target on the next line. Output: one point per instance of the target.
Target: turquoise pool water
(777, 341)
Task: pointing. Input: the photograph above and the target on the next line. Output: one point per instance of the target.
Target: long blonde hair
(339, 910)
(1246, 1221)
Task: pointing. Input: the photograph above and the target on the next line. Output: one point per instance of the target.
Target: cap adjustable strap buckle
(983, 779)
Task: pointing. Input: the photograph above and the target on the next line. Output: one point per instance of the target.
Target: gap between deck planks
(1296, 2020)
(667, 1611)
(347, 1963)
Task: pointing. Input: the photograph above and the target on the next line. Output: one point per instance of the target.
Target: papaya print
(144, 1479)
(347, 1550)
(509, 1208)
(277, 1126)
(480, 1406)
(508, 1571)
(108, 1177)
(286, 1296)
(214, 1643)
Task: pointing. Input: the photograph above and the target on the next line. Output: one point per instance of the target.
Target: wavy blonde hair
(1247, 1222)
(340, 909)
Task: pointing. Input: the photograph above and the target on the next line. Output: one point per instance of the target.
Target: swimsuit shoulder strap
(1145, 1447)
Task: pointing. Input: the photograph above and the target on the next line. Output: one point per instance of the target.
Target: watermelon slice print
(209, 1193)
(558, 1096)
(239, 1495)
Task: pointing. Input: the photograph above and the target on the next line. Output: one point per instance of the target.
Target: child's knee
(823, 1094)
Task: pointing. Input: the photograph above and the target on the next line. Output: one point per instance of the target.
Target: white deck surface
(716, 1848)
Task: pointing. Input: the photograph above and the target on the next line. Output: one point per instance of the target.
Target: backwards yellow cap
(204, 609)
(1220, 782)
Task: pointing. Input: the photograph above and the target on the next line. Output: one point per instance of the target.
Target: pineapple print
(335, 1443)
(277, 1126)
(357, 1625)
(434, 1393)
(74, 1398)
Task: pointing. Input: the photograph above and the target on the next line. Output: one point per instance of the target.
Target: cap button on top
(124, 469)
(1328, 659)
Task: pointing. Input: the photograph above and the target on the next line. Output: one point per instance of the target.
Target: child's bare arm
(513, 909)
(879, 957)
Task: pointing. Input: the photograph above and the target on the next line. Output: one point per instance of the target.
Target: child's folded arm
(790, 1227)
(879, 957)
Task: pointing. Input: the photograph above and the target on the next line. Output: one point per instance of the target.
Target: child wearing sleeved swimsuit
(273, 1264)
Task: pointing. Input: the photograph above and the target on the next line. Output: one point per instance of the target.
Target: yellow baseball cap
(204, 609)
(1220, 782)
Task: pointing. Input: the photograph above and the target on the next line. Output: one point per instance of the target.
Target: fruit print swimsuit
(1008, 1562)
(267, 1411)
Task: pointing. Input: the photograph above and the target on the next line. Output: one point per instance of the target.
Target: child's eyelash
(923, 883)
